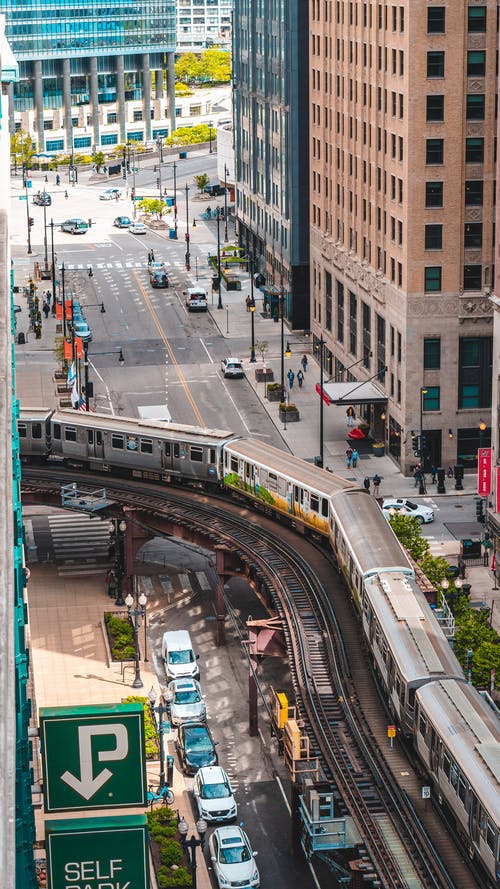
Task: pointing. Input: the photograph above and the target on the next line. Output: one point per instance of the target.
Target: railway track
(399, 848)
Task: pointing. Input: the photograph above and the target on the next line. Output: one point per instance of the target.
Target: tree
(201, 181)
(215, 66)
(409, 533)
(99, 159)
(261, 346)
(152, 205)
(21, 148)
(188, 67)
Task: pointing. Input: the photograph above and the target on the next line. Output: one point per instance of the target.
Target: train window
(146, 445)
(490, 835)
(422, 725)
(324, 507)
(167, 449)
(454, 775)
(462, 789)
(196, 454)
(117, 441)
(56, 431)
(398, 684)
(411, 698)
(234, 464)
(70, 433)
(177, 450)
(90, 436)
(22, 430)
(446, 764)
(212, 455)
(314, 502)
(36, 430)
(402, 694)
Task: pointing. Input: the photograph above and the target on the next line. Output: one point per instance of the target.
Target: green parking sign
(93, 757)
(97, 853)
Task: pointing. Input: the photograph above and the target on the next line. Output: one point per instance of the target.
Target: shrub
(170, 852)
(176, 879)
(121, 637)
(287, 407)
(151, 740)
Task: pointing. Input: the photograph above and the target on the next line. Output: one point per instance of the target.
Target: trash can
(171, 234)
(170, 770)
(183, 155)
(21, 339)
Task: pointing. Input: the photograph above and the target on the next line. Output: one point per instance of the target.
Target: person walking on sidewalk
(291, 377)
(417, 475)
(376, 484)
(366, 484)
(348, 457)
(304, 362)
(350, 415)
(300, 378)
(433, 475)
(248, 302)
(355, 457)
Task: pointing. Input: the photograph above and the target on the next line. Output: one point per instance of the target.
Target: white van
(196, 299)
(178, 655)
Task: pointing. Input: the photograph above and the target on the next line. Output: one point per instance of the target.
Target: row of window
(472, 278)
(473, 193)
(476, 63)
(474, 107)
(473, 236)
(474, 151)
(476, 19)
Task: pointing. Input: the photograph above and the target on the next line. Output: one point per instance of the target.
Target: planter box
(378, 450)
(289, 416)
(274, 394)
(264, 375)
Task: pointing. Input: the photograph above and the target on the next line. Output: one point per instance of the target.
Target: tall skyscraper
(270, 76)
(403, 145)
(80, 65)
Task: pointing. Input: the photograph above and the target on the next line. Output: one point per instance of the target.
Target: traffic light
(480, 510)
(187, 236)
(422, 445)
(31, 221)
(415, 445)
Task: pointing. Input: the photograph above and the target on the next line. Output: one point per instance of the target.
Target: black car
(42, 199)
(195, 746)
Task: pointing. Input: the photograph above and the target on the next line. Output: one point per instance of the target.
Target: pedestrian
(300, 378)
(461, 568)
(66, 195)
(355, 457)
(248, 302)
(152, 256)
(46, 310)
(304, 362)
(417, 474)
(291, 377)
(116, 196)
(376, 484)
(91, 272)
(47, 296)
(433, 475)
(350, 415)
(450, 472)
(366, 484)
(348, 457)
(58, 180)
(46, 177)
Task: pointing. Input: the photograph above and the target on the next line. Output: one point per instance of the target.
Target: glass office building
(77, 53)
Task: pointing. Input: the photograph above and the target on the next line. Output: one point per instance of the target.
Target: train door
(166, 456)
(434, 752)
(248, 474)
(474, 819)
(298, 500)
(95, 443)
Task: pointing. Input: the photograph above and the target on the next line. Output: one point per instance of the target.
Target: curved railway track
(338, 734)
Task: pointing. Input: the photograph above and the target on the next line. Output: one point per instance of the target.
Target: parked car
(42, 199)
(137, 228)
(82, 330)
(186, 701)
(122, 222)
(423, 514)
(214, 189)
(195, 746)
(75, 226)
(232, 858)
(214, 795)
(157, 266)
(109, 194)
(232, 367)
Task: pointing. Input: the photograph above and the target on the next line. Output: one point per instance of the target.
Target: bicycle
(164, 795)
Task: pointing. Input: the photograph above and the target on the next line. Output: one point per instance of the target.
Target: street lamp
(210, 125)
(159, 145)
(225, 202)
(219, 302)
(175, 198)
(161, 709)
(137, 613)
(190, 846)
(282, 317)
(89, 387)
(187, 236)
(252, 308)
(482, 429)
(120, 528)
(421, 489)
(28, 217)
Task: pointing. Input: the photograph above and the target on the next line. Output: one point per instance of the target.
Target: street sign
(93, 757)
(97, 853)
(23, 197)
(426, 792)
(138, 197)
(391, 731)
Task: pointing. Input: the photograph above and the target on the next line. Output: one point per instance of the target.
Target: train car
(364, 541)
(407, 644)
(148, 449)
(33, 427)
(286, 484)
(457, 736)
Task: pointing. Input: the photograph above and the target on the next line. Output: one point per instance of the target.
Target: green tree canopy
(188, 67)
(152, 205)
(99, 159)
(21, 148)
(215, 65)
(201, 181)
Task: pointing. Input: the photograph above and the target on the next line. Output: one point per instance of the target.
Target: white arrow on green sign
(93, 757)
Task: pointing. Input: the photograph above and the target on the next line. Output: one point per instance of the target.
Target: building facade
(270, 82)
(80, 65)
(203, 24)
(402, 117)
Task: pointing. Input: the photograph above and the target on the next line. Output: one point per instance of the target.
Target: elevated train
(454, 730)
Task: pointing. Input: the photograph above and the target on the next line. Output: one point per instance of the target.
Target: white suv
(232, 367)
(214, 795)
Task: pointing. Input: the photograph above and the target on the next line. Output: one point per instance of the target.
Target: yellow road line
(182, 378)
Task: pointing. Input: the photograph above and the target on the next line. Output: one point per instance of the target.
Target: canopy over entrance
(353, 393)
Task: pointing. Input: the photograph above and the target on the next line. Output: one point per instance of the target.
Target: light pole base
(138, 683)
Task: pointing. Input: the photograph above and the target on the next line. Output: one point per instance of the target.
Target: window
(117, 441)
(435, 108)
(472, 277)
(475, 107)
(476, 19)
(476, 63)
(434, 151)
(431, 398)
(70, 433)
(473, 234)
(475, 372)
(474, 193)
(432, 353)
(111, 117)
(138, 114)
(328, 301)
(436, 17)
(433, 194)
(435, 64)
(340, 312)
(146, 445)
(433, 237)
(196, 454)
(474, 151)
(22, 430)
(353, 323)
(432, 278)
